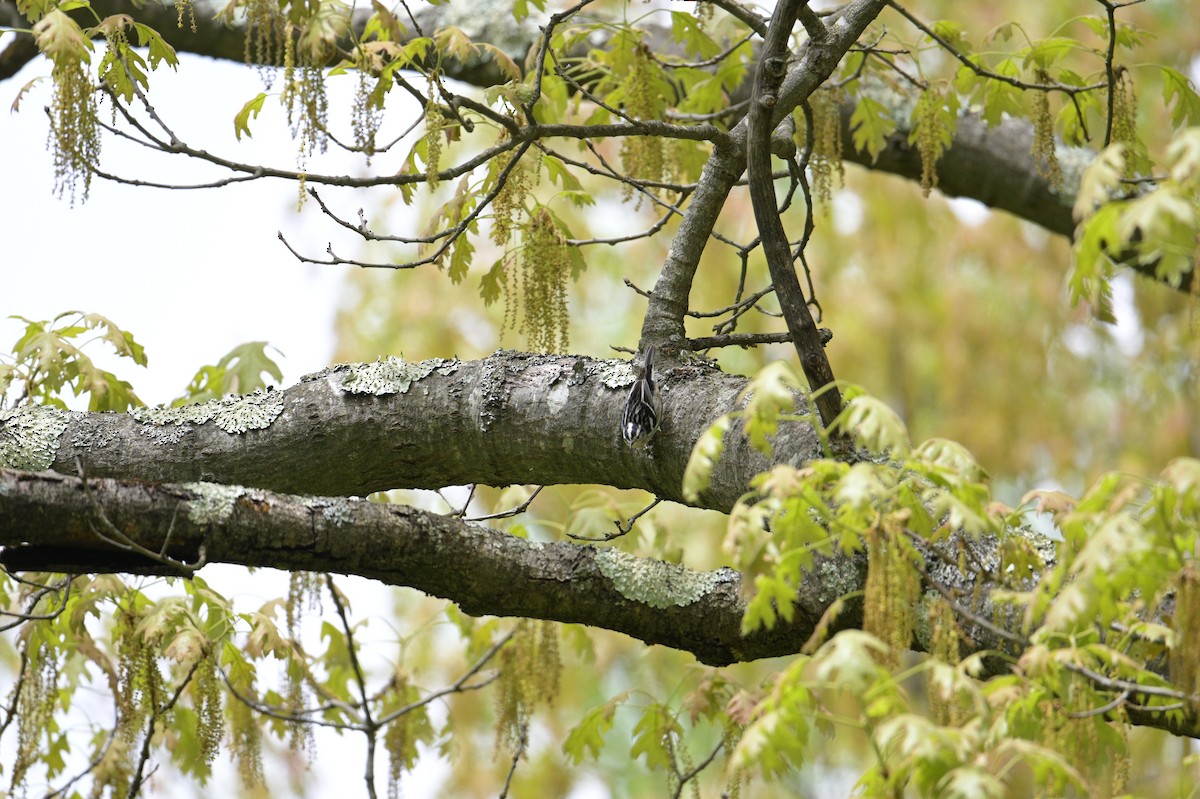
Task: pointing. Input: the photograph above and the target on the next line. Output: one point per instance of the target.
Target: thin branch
(983, 72)
(922, 546)
(812, 24)
(135, 786)
(115, 538)
(695, 770)
(736, 340)
(623, 527)
(1117, 684)
(28, 615)
(10, 712)
(360, 679)
(1119, 700)
(737, 308)
(304, 715)
(1111, 75)
(522, 742)
(510, 512)
(746, 16)
(458, 514)
(362, 229)
(457, 686)
(768, 80)
(96, 761)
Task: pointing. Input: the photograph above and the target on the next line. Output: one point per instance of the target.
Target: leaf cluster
(49, 359)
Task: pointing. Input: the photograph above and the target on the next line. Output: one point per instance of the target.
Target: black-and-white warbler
(643, 406)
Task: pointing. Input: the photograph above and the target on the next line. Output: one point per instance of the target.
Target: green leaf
(558, 173)
(160, 51)
(108, 393)
(48, 360)
(871, 124)
(650, 736)
(1044, 52)
(876, 426)
(121, 341)
(688, 31)
(1100, 181)
(769, 393)
(773, 597)
(1183, 159)
(1163, 224)
(586, 738)
(460, 258)
(33, 10)
(954, 33)
(1178, 90)
(704, 458)
(61, 39)
(241, 122)
(454, 42)
(492, 283)
(239, 372)
(1000, 98)
(508, 67)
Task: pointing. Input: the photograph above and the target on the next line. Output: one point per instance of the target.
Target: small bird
(643, 406)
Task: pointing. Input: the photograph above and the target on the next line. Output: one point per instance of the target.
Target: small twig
(507, 513)
(736, 340)
(522, 741)
(117, 539)
(983, 72)
(96, 761)
(695, 770)
(1117, 684)
(922, 547)
(746, 16)
(370, 727)
(623, 528)
(43, 590)
(812, 24)
(1103, 709)
(458, 685)
(135, 786)
(458, 514)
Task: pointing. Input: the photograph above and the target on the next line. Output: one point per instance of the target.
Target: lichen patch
(655, 583)
(392, 375)
(232, 414)
(29, 436)
(213, 503)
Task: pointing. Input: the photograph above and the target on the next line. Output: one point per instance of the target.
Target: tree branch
(492, 572)
(761, 121)
(358, 428)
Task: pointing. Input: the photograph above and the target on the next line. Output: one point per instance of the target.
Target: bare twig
(623, 527)
(510, 512)
(694, 772)
(522, 742)
(370, 727)
(115, 538)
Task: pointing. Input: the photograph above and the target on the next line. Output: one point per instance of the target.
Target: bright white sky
(191, 273)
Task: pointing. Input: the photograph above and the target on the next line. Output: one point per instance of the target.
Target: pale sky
(191, 273)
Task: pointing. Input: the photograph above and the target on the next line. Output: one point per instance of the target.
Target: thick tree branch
(485, 571)
(996, 166)
(776, 248)
(354, 429)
